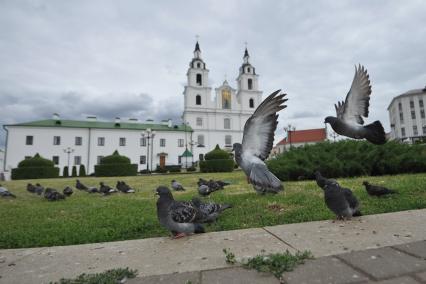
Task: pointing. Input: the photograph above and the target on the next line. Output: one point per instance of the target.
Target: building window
(122, 141)
(56, 140)
(55, 160)
(180, 160)
(421, 102)
(162, 142)
(250, 84)
(101, 141)
(228, 140)
(198, 100)
(199, 121)
(411, 104)
(142, 160)
(248, 69)
(200, 140)
(77, 160)
(198, 65)
(422, 113)
(251, 103)
(29, 140)
(143, 142)
(226, 99)
(424, 129)
(415, 132)
(400, 106)
(98, 160)
(413, 114)
(180, 142)
(78, 141)
(401, 117)
(227, 123)
(199, 80)
(402, 131)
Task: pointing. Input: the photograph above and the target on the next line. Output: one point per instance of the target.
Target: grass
(112, 276)
(32, 221)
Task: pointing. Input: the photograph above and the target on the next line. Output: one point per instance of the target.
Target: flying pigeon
(53, 195)
(177, 186)
(257, 143)
(210, 211)
(338, 199)
(375, 190)
(105, 189)
(4, 192)
(80, 186)
(68, 191)
(349, 121)
(179, 217)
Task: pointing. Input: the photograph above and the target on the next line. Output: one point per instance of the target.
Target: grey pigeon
(105, 189)
(68, 191)
(92, 189)
(210, 211)
(4, 192)
(38, 189)
(30, 188)
(123, 187)
(80, 186)
(341, 201)
(204, 190)
(178, 217)
(349, 121)
(322, 181)
(375, 190)
(202, 181)
(53, 195)
(177, 186)
(257, 143)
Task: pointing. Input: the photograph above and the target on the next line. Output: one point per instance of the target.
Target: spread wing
(340, 108)
(183, 212)
(259, 129)
(358, 99)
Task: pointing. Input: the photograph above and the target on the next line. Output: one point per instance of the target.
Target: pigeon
(4, 192)
(349, 121)
(202, 182)
(68, 191)
(210, 211)
(38, 189)
(258, 139)
(204, 190)
(80, 186)
(177, 186)
(179, 217)
(123, 187)
(375, 190)
(53, 195)
(338, 199)
(105, 189)
(92, 189)
(30, 188)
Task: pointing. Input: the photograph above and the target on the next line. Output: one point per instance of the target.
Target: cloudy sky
(129, 58)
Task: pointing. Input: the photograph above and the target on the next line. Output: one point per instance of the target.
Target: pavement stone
(384, 262)
(237, 275)
(399, 280)
(417, 248)
(10, 256)
(174, 278)
(422, 276)
(324, 270)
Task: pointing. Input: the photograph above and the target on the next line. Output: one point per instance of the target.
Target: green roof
(187, 153)
(102, 125)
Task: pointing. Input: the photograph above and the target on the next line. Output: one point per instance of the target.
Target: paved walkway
(388, 247)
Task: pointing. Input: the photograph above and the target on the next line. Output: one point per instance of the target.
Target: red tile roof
(304, 136)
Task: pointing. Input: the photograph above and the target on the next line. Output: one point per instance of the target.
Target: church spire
(246, 56)
(197, 50)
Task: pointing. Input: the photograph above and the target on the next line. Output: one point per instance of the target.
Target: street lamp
(148, 134)
(289, 128)
(68, 150)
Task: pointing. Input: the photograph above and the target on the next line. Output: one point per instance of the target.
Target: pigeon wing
(358, 99)
(183, 212)
(259, 129)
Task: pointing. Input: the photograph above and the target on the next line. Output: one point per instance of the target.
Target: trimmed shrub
(74, 171)
(82, 171)
(65, 172)
(191, 169)
(115, 165)
(217, 160)
(174, 168)
(35, 168)
(217, 154)
(144, 171)
(161, 170)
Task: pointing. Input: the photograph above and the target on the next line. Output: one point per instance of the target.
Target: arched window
(251, 103)
(248, 69)
(228, 140)
(250, 84)
(226, 99)
(198, 100)
(200, 140)
(199, 80)
(227, 123)
(198, 65)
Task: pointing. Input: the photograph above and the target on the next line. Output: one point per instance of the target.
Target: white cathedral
(207, 121)
(218, 120)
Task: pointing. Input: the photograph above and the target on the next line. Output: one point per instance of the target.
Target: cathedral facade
(218, 118)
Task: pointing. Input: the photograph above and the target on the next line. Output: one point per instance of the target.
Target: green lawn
(31, 221)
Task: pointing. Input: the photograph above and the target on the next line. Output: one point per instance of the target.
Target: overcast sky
(129, 58)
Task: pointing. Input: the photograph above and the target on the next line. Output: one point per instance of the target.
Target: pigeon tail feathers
(375, 133)
(199, 229)
(261, 176)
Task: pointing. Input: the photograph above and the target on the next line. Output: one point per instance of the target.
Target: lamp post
(148, 134)
(289, 128)
(68, 150)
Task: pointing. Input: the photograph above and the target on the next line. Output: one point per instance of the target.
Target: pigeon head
(173, 180)
(163, 191)
(330, 119)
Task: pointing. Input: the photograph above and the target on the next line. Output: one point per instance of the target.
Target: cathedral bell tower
(248, 93)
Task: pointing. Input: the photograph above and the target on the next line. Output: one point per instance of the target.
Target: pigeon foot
(178, 236)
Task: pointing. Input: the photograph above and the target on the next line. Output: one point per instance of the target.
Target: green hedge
(34, 168)
(74, 171)
(214, 166)
(65, 172)
(217, 154)
(82, 171)
(349, 158)
(115, 158)
(36, 161)
(115, 165)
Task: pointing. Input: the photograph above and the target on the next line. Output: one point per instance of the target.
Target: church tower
(248, 93)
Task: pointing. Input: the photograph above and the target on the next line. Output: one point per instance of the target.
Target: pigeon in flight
(179, 217)
(4, 192)
(80, 186)
(210, 211)
(257, 143)
(375, 190)
(349, 121)
(338, 199)
(68, 191)
(177, 186)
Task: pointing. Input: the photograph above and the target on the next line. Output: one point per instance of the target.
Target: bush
(145, 171)
(349, 158)
(217, 154)
(115, 165)
(161, 170)
(74, 171)
(82, 171)
(191, 169)
(65, 172)
(174, 168)
(217, 160)
(34, 168)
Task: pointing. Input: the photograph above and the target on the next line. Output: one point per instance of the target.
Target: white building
(407, 116)
(2, 175)
(219, 119)
(70, 142)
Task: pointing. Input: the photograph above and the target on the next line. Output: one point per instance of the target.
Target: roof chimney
(150, 120)
(117, 121)
(91, 118)
(133, 120)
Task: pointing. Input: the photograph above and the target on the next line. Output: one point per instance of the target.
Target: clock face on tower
(226, 99)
